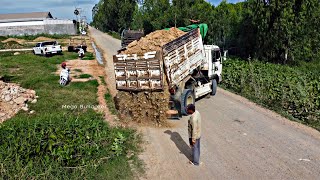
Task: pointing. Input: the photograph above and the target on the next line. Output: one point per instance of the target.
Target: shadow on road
(180, 143)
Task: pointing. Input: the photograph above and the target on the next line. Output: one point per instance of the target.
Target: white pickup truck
(47, 48)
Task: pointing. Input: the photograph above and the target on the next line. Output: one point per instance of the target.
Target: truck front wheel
(214, 87)
(187, 97)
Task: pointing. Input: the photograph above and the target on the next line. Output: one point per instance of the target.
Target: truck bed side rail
(138, 72)
(182, 56)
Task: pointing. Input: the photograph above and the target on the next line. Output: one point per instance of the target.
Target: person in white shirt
(64, 74)
(81, 53)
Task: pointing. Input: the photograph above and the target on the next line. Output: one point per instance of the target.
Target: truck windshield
(216, 55)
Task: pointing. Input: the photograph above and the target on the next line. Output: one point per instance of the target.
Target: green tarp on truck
(203, 29)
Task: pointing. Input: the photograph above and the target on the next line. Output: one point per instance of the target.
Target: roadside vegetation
(115, 34)
(88, 56)
(65, 138)
(110, 103)
(85, 76)
(293, 91)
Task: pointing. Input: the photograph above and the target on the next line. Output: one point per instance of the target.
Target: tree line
(278, 31)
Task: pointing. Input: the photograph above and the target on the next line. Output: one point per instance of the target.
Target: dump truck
(185, 67)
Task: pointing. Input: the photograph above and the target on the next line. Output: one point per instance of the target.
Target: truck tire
(214, 87)
(187, 97)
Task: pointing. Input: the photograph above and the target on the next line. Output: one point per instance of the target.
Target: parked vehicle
(47, 48)
(192, 69)
(127, 36)
(74, 47)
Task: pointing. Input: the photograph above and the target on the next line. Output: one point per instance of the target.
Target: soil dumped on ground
(41, 39)
(20, 41)
(13, 98)
(12, 45)
(147, 107)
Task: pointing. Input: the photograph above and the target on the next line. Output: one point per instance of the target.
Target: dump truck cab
(213, 62)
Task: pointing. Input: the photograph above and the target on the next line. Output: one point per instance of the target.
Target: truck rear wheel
(187, 97)
(214, 87)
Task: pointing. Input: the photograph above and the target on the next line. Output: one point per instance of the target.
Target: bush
(292, 90)
(114, 34)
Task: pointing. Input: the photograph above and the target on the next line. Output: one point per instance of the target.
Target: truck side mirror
(225, 55)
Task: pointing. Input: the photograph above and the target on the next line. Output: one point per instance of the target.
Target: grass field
(65, 138)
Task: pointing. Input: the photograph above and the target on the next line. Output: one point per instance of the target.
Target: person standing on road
(194, 130)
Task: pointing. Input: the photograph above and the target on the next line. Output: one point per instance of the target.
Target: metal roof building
(34, 23)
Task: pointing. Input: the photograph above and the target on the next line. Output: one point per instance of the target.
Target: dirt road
(240, 140)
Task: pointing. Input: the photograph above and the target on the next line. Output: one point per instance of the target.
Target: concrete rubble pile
(147, 107)
(14, 98)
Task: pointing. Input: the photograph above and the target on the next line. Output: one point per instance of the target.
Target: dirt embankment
(147, 107)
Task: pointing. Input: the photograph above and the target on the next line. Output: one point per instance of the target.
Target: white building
(34, 23)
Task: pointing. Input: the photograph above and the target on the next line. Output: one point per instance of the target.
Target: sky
(61, 9)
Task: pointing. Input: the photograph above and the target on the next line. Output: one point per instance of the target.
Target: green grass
(102, 80)
(85, 76)
(293, 91)
(78, 70)
(64, 138)
(3, 38)
(114, 35)
(88, 56)
(110, 103)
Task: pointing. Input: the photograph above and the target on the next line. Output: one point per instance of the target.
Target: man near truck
(194, 130)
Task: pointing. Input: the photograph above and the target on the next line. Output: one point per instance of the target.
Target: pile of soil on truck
(147, 107)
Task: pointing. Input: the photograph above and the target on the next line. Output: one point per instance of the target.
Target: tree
(286, 29)
(114, 15)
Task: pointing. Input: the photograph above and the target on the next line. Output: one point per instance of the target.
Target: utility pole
(77, 12)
